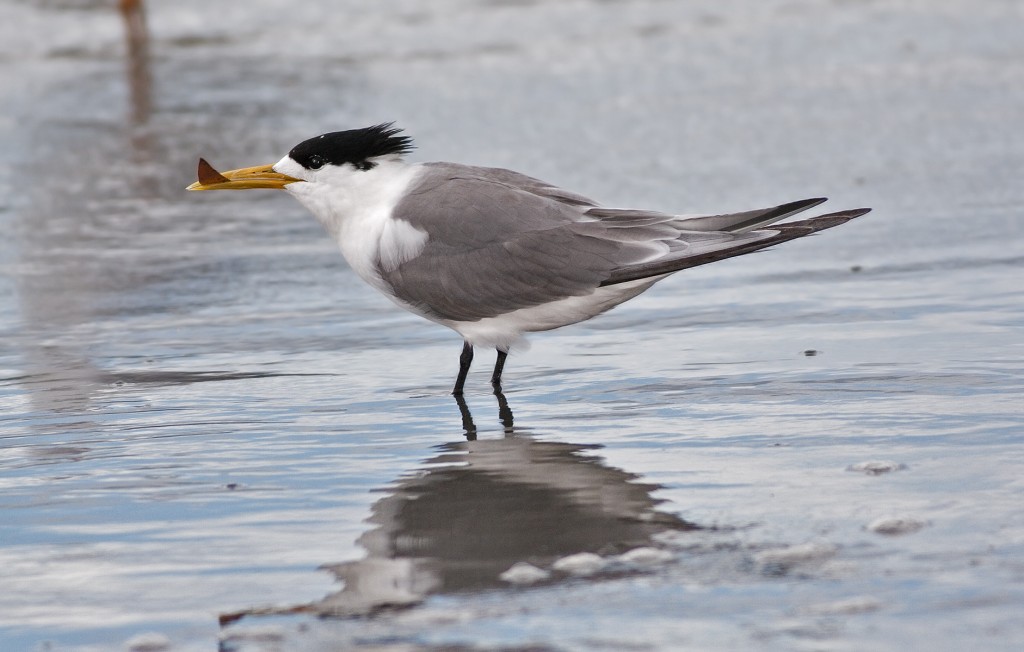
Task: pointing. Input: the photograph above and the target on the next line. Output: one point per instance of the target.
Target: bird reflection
(504, 414)
(477, 507)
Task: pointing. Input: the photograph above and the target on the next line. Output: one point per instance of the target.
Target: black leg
(465, 360)
(499, 364)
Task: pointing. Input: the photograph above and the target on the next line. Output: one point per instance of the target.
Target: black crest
(355, 146)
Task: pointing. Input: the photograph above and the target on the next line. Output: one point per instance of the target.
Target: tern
(491, 253)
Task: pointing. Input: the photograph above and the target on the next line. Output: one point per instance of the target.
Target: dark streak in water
(159, 377)
(189, 377)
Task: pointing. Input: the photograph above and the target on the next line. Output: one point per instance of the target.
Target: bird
(491, 253)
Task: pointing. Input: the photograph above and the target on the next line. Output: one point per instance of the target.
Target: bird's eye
(315, 162)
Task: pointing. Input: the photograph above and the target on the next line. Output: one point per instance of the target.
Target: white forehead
(291, 167)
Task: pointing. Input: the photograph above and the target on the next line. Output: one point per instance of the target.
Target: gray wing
(729, 222)
(499, 241)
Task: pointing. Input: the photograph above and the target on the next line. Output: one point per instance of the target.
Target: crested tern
(492, 253)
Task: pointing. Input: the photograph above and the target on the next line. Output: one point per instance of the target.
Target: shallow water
(212, 433)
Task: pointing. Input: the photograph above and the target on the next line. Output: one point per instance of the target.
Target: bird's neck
(356, 211)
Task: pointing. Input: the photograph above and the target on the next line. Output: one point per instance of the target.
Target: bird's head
(333, 160)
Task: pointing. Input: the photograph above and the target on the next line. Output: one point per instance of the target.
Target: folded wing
(499, 241)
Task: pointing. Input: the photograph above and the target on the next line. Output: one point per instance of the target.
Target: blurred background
(817, 447)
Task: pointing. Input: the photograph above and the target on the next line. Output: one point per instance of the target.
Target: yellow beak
(261, 176)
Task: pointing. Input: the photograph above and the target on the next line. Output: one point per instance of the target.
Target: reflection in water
(68, 221)
(137, 49)
(469, 426)
(478, 507)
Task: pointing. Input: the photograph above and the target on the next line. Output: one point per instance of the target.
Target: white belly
(507, 330)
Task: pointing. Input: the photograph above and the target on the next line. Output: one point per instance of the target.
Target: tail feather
(783, 233)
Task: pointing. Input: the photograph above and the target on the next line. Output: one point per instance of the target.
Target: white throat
(356, 206)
